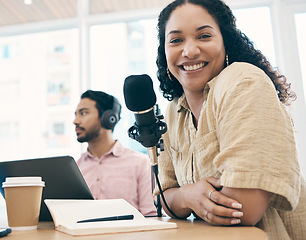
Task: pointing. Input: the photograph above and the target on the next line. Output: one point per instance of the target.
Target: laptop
(62, 177)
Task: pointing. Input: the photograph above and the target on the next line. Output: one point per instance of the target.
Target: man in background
(111, 170)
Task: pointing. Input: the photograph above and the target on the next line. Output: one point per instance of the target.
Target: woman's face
(194, 47)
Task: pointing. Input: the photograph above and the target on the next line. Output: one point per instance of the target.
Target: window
(38, 83)
(300, 20)
(259, 31)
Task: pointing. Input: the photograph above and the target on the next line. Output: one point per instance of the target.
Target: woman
(230, 155)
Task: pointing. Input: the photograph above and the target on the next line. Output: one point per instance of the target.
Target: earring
(226, 59)
(169, 76)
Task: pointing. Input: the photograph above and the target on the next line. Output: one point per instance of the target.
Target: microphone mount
(153, 131)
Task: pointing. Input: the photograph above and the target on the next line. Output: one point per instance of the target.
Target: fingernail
(236, 205)
(235, 221)
(237, 214)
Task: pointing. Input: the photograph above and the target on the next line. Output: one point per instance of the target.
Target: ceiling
(102, 6)
(14, 12)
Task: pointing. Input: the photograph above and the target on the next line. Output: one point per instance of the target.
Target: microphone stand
(153, 154)
(149, 136)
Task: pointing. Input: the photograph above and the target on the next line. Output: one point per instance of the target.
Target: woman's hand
(212, 206)
(205, 201)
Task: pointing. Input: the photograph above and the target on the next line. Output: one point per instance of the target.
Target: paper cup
(23, 200)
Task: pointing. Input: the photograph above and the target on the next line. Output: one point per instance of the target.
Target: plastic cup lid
(23, 181)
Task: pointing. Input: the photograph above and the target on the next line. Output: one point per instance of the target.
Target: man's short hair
(103, 101)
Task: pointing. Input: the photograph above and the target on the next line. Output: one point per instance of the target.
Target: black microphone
(140, 98)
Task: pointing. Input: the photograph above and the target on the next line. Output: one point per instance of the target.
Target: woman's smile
(193, 67)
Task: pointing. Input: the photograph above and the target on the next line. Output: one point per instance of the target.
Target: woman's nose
(191, 50)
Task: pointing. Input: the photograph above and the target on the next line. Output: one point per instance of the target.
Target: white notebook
(66, 214)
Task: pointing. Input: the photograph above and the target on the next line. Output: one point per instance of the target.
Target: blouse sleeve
(256, 136)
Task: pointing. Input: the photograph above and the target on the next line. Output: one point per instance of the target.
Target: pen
(114, 218)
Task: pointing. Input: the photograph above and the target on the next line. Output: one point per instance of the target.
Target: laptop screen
(62, 177)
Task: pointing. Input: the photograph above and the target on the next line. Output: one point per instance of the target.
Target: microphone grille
(138, 93)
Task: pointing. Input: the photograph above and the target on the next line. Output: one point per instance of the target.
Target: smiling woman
(226, 160)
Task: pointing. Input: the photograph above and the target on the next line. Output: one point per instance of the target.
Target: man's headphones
(110, 117)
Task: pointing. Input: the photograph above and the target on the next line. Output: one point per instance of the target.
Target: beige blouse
(245, 136)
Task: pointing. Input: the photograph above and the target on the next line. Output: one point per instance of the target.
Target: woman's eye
(204, 36)
(176, 40)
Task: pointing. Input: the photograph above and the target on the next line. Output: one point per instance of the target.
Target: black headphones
(110, 117)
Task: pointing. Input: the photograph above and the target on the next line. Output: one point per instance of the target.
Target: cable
(155, 170)
(157, 202)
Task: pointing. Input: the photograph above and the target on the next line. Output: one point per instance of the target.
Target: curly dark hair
(238, 47)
